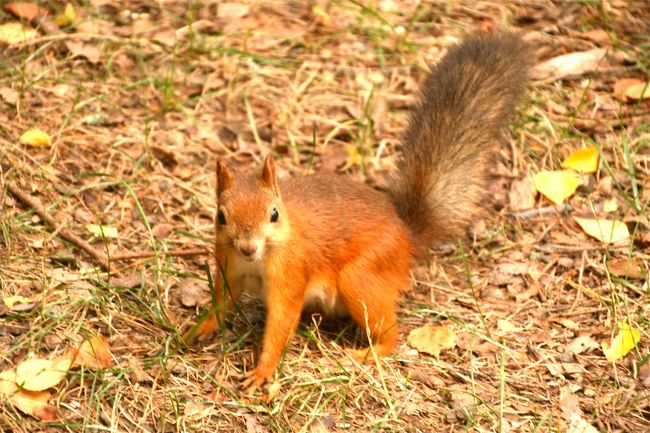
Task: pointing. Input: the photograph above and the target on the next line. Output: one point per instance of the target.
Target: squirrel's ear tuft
(224, 177)
(268, 177)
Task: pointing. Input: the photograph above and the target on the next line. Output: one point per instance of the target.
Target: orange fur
(329, 244)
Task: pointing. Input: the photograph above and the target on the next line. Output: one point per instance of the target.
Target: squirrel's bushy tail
(464, 105)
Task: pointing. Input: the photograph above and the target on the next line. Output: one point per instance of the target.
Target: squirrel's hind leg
(371, 295)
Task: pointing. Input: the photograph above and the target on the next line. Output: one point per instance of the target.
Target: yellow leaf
(32, 403)
(15, 33)
(92, 354)
(109, 232)
(626, 339)
(583, 160)
(67, 17)
(432, 339)
(505, 325)
(35, 137)
(607, 231)
(557, 186)
(321, 16)
(13, 300)
(610, 205)
(638, 91)
(354, 157)
(41, 374)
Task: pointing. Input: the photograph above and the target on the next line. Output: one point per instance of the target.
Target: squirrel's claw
(253, 380)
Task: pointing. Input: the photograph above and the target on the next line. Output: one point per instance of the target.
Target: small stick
(149, 254)
(33, 203)
(540, 212)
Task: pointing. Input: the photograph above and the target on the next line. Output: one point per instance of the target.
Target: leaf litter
(522, 295)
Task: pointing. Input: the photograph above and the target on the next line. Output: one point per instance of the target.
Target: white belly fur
(249, 278)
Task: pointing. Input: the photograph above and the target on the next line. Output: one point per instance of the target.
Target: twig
(556, 248)
(148, 254)
(541, 212)
(33, 203)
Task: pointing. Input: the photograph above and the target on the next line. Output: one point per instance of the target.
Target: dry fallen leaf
(97, 230)
(622, 85)
(354, 157)
(581, 344)
(83, 49)
(620, 345)
(35, 137)
(598, 35)
(432, 339)
(11, 301)
(41, 374)
(557, 186)
(573, 416)
(610, 205)
(67, 17)
(232, 10)
(23, 10)
(608, 231)
(505, 326)
(631, 267)
(34, 403)
(571, 64)
(584, 160)
(638, 91)
(321, 16)
(15, 33)
(522, 194)
(92, 353)
(193, 293)
(10, 96)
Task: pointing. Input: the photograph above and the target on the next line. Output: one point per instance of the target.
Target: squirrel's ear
(224, 177)
(268, 174)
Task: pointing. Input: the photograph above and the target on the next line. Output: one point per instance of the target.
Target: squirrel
(327, 243)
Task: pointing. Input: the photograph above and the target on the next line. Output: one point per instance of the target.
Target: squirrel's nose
(248, 249)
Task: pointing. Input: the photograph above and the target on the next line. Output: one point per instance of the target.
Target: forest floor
(140, 98)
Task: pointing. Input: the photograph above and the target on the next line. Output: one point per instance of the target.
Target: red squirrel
(329, 244)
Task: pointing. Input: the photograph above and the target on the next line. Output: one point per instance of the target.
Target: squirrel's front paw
(204, 331)
(255, 379)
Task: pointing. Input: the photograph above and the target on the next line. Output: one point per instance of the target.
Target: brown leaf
(167, 157)
(581, 344)
(10, 96)
(23, 10)
(522, 194)
(572, 64)
(644, 375)
(638, 91)
(130, 281)
(93, 353)
(162, 230)
(232, 10)
(622, 86)
(598, 35)
(427, 378)
(432, 339)
(193, 293)
(82, 49)
(138, 374)
(631, 267)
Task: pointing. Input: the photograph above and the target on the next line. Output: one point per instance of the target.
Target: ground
(140, 98)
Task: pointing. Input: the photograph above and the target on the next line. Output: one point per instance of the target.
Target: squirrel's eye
(274, 215)
(221, 218)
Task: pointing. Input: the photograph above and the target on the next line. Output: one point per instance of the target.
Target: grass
(303, 89)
